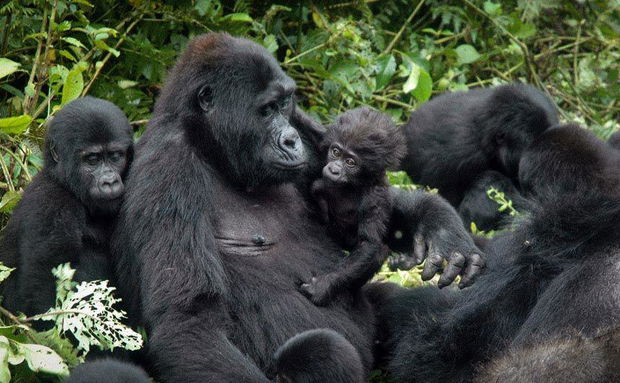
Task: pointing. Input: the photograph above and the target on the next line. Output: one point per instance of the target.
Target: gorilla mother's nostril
(289, 140)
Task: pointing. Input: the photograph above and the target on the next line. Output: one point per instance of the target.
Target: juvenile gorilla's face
(100, 170)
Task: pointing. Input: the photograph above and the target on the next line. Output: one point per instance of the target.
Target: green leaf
(493, 9)
(124, 84)
(15, 125)
(238, 17)
(412, 80)
(66, 54)
(423, 91)
(7, 67)
(386, 68)
(29, 90)
(5, 349)
(5, 272)
(8, 202)
(270, 43)
(43, 359)
(73, 86)
(466, 54)
(419, 82)
(73, 41)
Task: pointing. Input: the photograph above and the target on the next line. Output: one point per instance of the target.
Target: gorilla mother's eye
(269, 109)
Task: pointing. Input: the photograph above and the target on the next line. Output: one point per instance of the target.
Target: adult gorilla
(553, 276)
(214, 236)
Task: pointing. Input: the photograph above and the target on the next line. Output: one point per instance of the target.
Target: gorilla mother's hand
(427, 227)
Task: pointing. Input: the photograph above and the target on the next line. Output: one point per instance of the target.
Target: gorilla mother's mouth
(289, 165)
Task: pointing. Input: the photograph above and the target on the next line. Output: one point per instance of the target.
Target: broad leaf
(7, 67)
(15, 125)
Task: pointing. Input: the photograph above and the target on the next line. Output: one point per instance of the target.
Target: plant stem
(402, 29)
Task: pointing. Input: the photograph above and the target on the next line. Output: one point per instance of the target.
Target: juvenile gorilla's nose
(111, 186)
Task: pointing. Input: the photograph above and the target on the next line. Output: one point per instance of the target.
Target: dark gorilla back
(456, 136)
(107, 371)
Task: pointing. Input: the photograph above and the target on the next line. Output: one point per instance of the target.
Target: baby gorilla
(353, 196)
(318, 355)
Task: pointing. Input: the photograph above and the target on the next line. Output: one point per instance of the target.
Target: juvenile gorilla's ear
(53, 152)
(205, 98)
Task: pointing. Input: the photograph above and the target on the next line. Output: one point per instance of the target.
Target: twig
(107, 57)
(402, 29)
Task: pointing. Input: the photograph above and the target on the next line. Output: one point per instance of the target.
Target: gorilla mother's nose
(290, 142)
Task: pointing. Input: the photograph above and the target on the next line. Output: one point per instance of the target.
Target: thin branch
(107, 57)
(402, 29)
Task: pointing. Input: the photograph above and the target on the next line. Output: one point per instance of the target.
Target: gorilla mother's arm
(426, 226)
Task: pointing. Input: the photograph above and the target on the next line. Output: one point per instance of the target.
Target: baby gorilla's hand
(318, 290)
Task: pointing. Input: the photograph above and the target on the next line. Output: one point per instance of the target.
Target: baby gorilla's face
(343, 165)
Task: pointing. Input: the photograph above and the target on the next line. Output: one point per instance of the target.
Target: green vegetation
(392, 55)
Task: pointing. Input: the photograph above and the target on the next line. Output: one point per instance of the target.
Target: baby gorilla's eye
(336, 152)
(350, 162)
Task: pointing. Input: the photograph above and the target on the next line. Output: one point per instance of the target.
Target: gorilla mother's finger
(455, 266)
(475, 264)
(419, 248)
(433, 263)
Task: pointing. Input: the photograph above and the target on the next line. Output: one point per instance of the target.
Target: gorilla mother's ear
(205, 98)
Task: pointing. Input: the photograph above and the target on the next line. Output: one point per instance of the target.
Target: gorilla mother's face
(247, 102)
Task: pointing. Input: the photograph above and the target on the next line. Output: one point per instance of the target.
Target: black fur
(614, 140)
(553, 275)
(67, 212)
(455, 137)
(477, 207)
(319, 355)
(107, 371)
(568, 358)
(214, 236)
(353, 196)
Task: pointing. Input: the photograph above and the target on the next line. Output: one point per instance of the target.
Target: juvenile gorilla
(353, 196)
(319, 355)
(67, 211)
(554, 275)
(217, 233)
(455, 137)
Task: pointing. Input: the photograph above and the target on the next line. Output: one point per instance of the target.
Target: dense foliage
(392, 55)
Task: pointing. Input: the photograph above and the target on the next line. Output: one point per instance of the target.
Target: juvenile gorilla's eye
(92, 158)
(350, 162)
(336, 152)
(117, 156)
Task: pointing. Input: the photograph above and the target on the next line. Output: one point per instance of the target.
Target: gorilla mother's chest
(260, 223)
